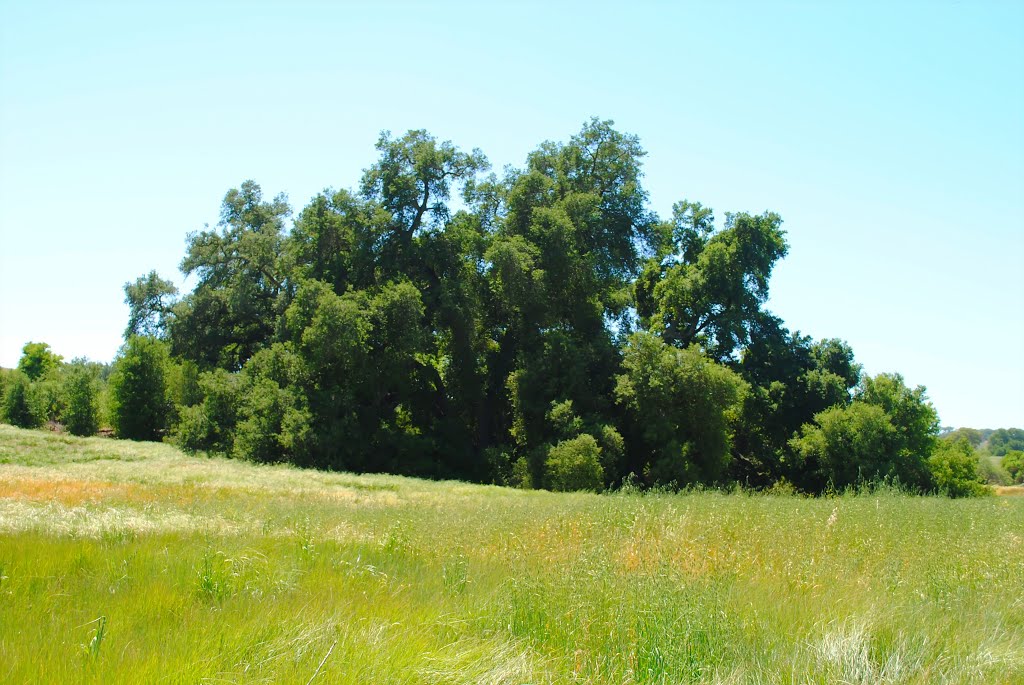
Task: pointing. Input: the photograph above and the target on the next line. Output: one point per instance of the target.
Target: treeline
(996, 442)
(1001, 452)
(46, 389)
(541, 328)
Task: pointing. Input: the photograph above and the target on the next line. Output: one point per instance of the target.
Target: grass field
(125, 562)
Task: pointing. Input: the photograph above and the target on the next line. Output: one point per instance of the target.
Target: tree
(19, 408)
(150, 301)
(232, 312)
(37, 359)
(388, 330)
(911, 414)
(329, 358)
(81, 400)
(47, 395)
(322, 244)
(1003, 440)
(413, 179)
(847, 446)
(1013, 463)
(412, 182)
(570, 228)
(583, 205)
(972, 435)
(707, 287)
(682, 407)
(792, 379)
(575, 464)
(274, 421)
(886, 433)
(954, 468)
(139, 407)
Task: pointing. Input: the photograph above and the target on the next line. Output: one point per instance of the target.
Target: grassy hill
(127, 562)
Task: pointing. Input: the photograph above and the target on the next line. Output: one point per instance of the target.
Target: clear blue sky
(889, 136)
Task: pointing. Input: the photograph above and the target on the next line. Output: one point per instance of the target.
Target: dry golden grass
(1010, 490)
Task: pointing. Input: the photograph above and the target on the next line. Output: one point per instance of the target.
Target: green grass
(132, 563)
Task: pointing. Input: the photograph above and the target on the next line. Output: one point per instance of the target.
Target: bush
(193, 431)
(682, 406)
(575, 465)
(954, 467)
(81, 414)
(19, 409)
(1013, 464)
(273, 418)
(138, 390)
(847, 446)
(210, 424)
(613, 450)
(274, 425)
(521, 474)
(47, 397)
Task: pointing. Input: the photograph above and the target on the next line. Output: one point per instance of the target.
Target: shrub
(273, 418)
(575, 465)
(47, 397)
(193, 431)
(847, 445)
(138, 390)
(210, 423)
(183, 387)
(954, 467)
(18, 407)
(521, 474)
(682, 405)
(498, 460)
(886, 434)
(1013, 464)
(81, 414)
(274, 425)
(613, 449)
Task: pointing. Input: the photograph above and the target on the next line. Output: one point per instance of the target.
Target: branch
(421, 209)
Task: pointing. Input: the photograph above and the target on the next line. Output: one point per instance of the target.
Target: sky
(888, 135)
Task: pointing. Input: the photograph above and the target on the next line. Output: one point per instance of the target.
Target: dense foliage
(18, 405)
(37, 360)
(1005, 440)
(954, 466)
(139, 407)
(539, 328)
(1013, 463)
(82, 408)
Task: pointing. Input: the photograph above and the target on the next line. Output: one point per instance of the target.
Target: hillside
(132, 562)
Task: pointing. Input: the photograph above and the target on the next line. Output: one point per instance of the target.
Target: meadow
(124, 562)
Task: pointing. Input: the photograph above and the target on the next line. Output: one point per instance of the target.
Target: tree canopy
(540, 326)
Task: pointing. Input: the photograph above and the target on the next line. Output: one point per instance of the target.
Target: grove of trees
(542, 327)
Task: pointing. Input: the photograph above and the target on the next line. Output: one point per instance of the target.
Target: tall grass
(126, 563)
